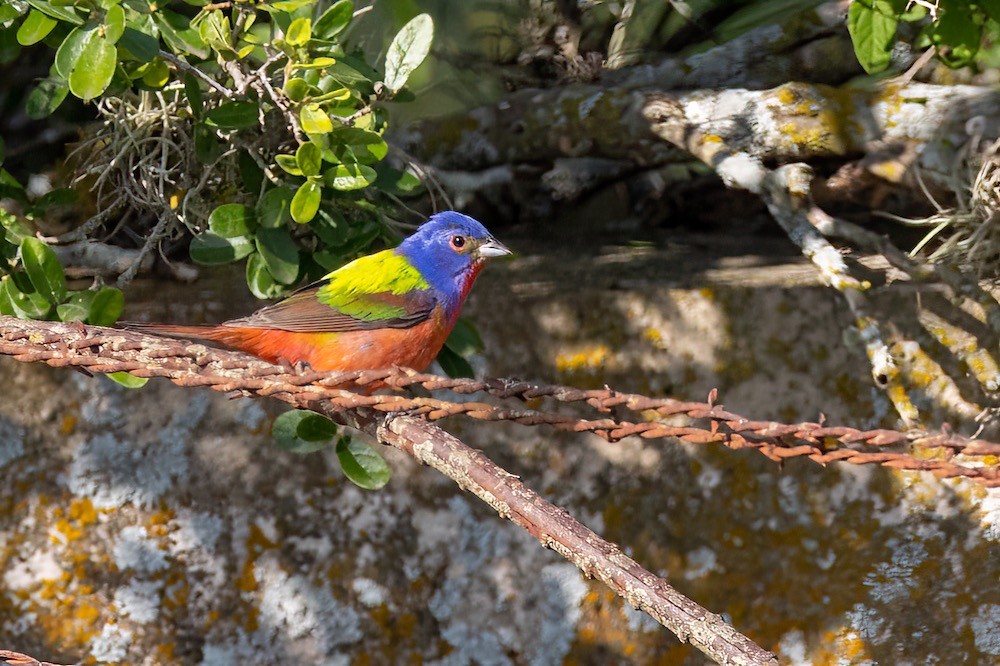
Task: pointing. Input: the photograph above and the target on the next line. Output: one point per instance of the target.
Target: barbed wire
(12, 658)
(105, 350)
(108, 350)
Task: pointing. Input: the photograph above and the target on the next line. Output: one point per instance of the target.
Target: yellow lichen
(590, 357)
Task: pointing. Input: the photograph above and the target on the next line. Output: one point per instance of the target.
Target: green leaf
(143, 47)
(872, 25)
(61, 196)
(957, 30)
(306, 201)
(69, 51)
(407, 50)
(70, 312)
(299, 32)
(76, 307)
(333, 20)
(62, 13)
(273, 209)
(331, 228)
(317, 63)
(351, 74)
(250, 172)
(93, 67)
(362, 464)
(156, 74)
(315, 120)
(309, 159)
(232, 220)
(280, 253)
(114, 24)
(9, 48)
(206, 144)
(464, 339)
(233, 115)
(348, 177)
(26, 305)
(296, 89)
(14, 230)
(302, 431)
(176, 31)
(127, 380)
(214, 28)
(260, 281)
(289, 5)
(453, 364)
(35, 28)
(211, 249)
(9, 187)
(6, 307)
(44, 270)
(46, 97)
(395, 181)
(288, 164)
(106, 306)
(353, 144)
(9, 11)
(192, 88)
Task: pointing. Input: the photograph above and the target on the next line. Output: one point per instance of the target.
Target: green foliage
(33, 284)
(273, 78)
(302, 431)
(127, 380)
(959, 30)
(872, 24)
(407, 50)
(462, 343)
(362, 464)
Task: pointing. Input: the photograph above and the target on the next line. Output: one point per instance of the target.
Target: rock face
(162, 526)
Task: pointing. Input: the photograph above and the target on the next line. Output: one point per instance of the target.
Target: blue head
(449, 250)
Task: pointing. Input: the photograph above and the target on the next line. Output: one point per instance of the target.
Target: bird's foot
(297, 368)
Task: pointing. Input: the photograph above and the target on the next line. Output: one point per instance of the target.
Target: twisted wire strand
(104, 350)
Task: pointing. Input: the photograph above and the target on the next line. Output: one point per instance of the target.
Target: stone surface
(162, 526)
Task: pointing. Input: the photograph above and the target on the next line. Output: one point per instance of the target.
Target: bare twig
(185, 66)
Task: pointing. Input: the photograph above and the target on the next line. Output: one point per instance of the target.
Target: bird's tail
(210, 333)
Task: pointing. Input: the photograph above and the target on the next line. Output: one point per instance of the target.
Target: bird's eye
(457, 242)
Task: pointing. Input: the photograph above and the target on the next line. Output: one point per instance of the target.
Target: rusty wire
(110, 350)
(106, 350)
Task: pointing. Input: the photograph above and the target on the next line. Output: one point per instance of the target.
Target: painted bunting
(394, 307)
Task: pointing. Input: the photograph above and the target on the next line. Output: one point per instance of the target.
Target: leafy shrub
(957, 28)
(247, 124)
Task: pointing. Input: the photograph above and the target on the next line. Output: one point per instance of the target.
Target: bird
(391, 308)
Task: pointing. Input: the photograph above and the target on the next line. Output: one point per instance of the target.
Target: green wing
(381, 290)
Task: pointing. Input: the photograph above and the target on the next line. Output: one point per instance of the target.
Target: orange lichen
(68, 424)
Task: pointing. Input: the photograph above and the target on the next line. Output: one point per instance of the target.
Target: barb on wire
(106, 350)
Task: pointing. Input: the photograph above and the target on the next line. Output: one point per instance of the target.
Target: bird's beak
(491, 247)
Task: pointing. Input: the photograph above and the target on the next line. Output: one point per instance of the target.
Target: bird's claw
(298, 367)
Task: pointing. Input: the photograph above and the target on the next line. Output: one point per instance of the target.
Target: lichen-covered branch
(737, 132)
